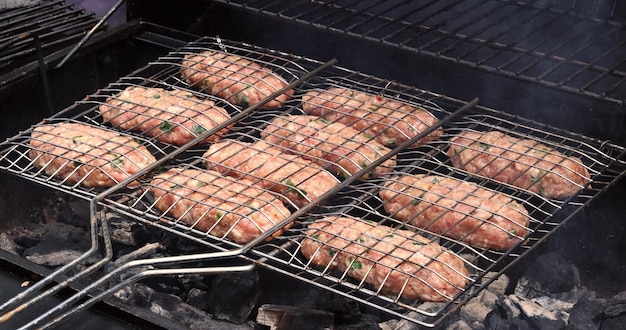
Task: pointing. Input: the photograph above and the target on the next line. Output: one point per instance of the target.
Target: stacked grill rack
(604, 161)
(29, 34)
(550, 43)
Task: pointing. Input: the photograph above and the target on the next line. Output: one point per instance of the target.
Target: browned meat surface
(91, 156)
(341, 149)
(394, 261)
(524, 163)
(391, 122)
(221, 206)
(458, 209)
(175, 117)
(234, 78)
(299, 180)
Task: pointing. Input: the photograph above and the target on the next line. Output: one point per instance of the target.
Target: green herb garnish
(332, 252)
(483, 145)
(199, 129)
(512, 233)
(219, 216)
(244, 101)
(293, 187)
(166, 127)
(76, 137)
(356, 265)
(156, 96)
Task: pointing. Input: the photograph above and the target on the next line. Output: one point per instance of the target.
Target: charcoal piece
(616, 305)
(198, 298)
(586, 314)
(548, 273)
(540, 317)
(137, 294)
(234, 295)
(506, 316)
(76, 213)
(280, 317)
(127, 232)
(164, 284)
(614, 323)
(366, 322)
(7, 243)
(345, 310)
(59, 245)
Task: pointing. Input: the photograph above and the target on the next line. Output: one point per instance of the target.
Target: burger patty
(299, 180)
(341, 149)
(234, 78)
(457, 209)
(394, 261)
(391, 122)
(524, 163)
(174, 117)
(218, 205)
(91, 156)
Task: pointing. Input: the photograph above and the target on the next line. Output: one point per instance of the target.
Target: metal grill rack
(605, 162)
(27, 33)
(552, 43)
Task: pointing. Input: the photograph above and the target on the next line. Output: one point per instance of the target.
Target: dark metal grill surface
(51, 25)
(604, 161)
(575, 46)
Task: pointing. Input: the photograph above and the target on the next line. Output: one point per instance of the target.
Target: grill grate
(568, 45)
(351, 197)
(53, 24)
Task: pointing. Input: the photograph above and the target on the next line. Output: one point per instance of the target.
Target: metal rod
(90, 33)
(44, 75)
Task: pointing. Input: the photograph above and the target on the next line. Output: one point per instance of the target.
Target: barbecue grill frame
(256, 252)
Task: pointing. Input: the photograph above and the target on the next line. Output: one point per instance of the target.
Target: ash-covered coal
(549, 294)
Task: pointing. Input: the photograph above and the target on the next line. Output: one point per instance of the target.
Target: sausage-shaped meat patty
(221, 206)
(397, 262)
(391, 122)
(299, 180)
(340, 148)
(234, 78)
(457, 209)
(524, 163)
(174, 117)
(93, 156)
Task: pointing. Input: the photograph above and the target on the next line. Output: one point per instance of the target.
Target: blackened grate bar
(55, 24)
(576, 46)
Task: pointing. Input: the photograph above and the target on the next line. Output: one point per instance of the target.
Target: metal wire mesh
(213, 210)
(569, 45)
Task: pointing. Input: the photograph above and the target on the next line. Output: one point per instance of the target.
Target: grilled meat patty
(221, 206)
(174, 117)
(391, 122)
(524, 163)
(299, 180)
(457, 209)
(234, 78)
(341, 149)
(393, 261)
(91, 156)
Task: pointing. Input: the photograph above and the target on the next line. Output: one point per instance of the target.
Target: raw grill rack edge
(605, 162)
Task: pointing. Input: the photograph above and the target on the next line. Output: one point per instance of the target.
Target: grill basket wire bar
(282, 253)
(98, 225)
(466, 32)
